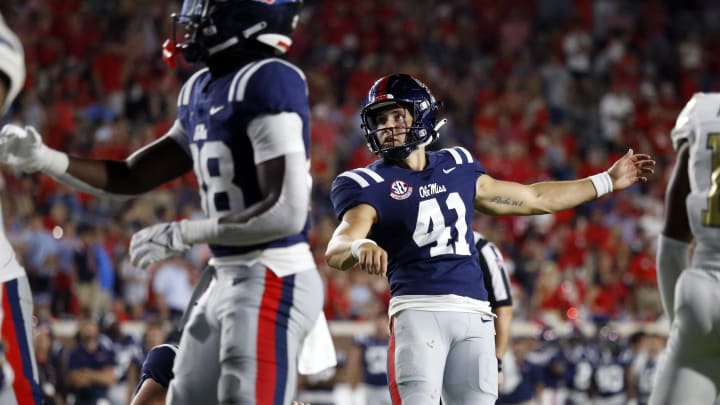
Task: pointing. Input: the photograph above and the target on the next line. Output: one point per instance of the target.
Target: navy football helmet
(260, 27)
(405, 91)
(609, 340)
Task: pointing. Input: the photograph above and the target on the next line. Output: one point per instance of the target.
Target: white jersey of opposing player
(699, 124)
(13, 65)
(9, 267)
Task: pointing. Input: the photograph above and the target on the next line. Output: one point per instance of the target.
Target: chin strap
(440, 124)
(437, 134)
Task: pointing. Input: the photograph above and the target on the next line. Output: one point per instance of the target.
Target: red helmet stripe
(381, 86)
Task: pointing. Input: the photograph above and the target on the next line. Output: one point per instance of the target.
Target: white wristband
(53, 161)
(356, 245)
(199, 230)
(602, 183)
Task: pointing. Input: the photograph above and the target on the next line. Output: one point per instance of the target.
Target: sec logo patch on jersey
(400, 190)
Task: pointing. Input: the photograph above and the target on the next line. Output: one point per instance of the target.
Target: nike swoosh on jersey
(446, 171)
(215, 110)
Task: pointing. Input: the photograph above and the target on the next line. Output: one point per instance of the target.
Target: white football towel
(317, 352)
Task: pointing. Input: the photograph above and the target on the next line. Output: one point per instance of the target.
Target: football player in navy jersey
(155, 375)
(408, 215)
(581, 356)
(243, 126)
(647, 348)
(610, 375)
(367, 360)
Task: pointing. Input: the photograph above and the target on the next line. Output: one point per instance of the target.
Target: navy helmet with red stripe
(260, 27)
(408, 92)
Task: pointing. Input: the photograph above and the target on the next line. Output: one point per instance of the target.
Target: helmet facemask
(415, 134)
(401, 90)
(194, 17)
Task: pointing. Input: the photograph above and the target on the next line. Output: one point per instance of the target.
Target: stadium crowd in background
(536, 90)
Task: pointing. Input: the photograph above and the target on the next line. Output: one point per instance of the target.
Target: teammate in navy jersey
(548, 357)
(408, 215)
(367, 361)
(580, 359)
(610, 375)
(497, 283)
(648, 349)
(16, 302)
(243, 126)
(524, 377)
(155, 375)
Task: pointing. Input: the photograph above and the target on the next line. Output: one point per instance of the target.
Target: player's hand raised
(372, 259)
(23, 149)
(630, 169)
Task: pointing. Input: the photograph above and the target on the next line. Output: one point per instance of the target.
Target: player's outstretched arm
(149, 167)
(349, 244)
(282, 211)
(630, 169)
(497, 197)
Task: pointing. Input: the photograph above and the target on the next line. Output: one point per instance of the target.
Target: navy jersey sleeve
(461, 156)
(158, 364)
(346, 193)
(275, 86)
(478, 167)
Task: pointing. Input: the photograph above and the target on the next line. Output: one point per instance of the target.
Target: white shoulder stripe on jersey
(184, 98)
(465, 152)
(171, 346)
(242, 85)
(296, 69)
(455, 155)
(236, 79)
(372, 174)
(458, 153)
(356, 177)
(293, 67)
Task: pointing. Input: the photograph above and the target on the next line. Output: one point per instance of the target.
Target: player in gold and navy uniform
(690, 287)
